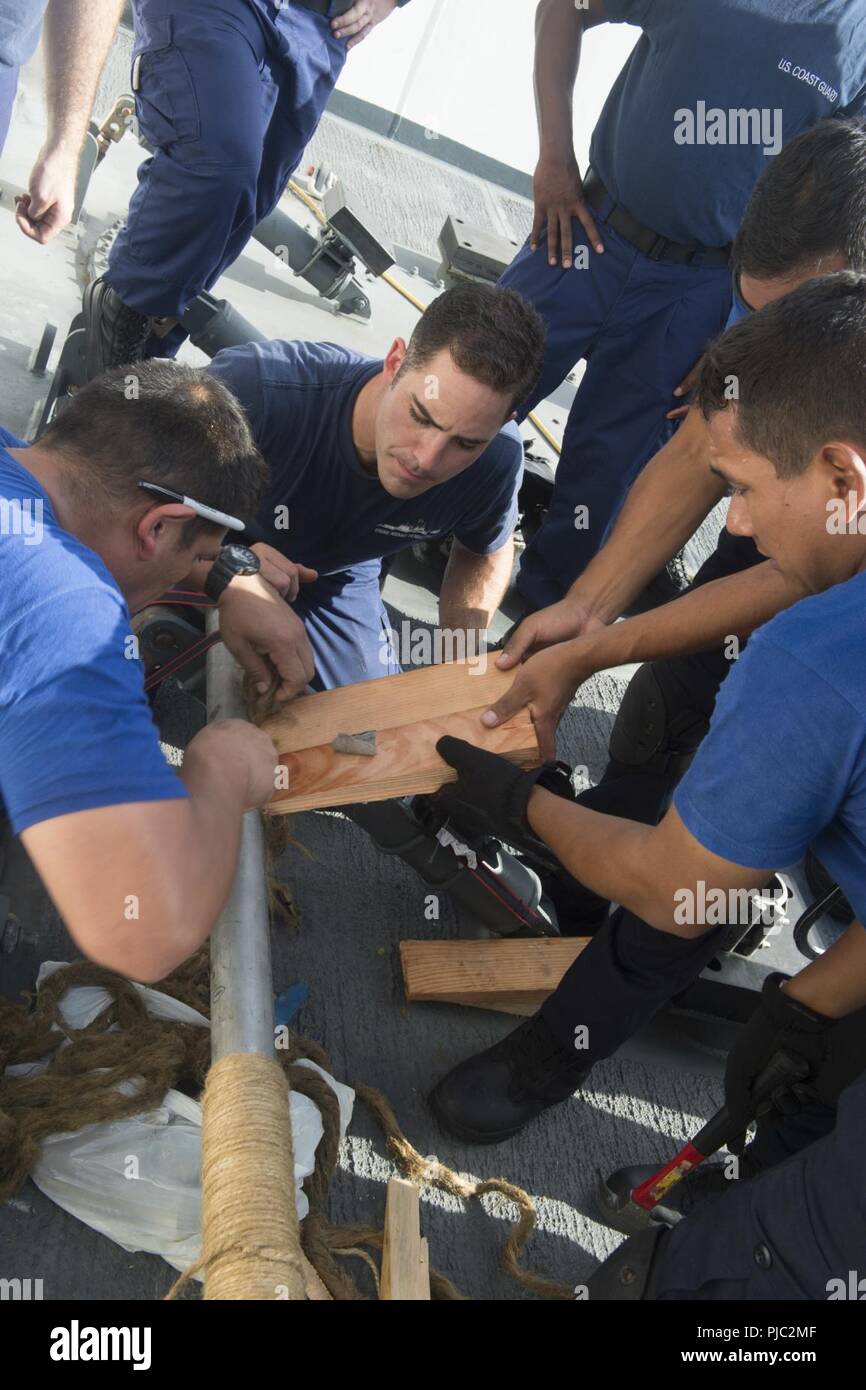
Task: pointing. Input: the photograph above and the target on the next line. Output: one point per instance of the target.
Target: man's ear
(848, 478)
(152, 526)
(394, 360)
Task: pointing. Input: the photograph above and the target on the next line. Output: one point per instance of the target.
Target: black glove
(779, 1024)
(491, 794)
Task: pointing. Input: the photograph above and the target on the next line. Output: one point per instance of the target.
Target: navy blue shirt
(75, 728)
(20, 23)
(300, 397)
(794, 60)
(783, 766)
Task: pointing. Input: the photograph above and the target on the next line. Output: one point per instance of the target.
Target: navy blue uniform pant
(641, 325)
(228, 96)
(348, 627)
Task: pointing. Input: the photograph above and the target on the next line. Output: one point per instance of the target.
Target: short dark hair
(162, 422)
(809, 203)
(796, 370)
(492, 334)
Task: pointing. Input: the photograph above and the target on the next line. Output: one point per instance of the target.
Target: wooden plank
(406, 762)
(513, 977)
(388, 702)
(405, 1261)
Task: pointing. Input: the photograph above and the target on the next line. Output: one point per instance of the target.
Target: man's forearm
(558, 35)
(835, 983)
(730, 607)
(76, 37)
(606, 853)
(645, 868)
(473, 587)
(664, 507)
(559, 30)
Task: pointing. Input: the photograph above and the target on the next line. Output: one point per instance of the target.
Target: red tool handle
(783, 1069)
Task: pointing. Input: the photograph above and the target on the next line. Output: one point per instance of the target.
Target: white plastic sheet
(138, 1180)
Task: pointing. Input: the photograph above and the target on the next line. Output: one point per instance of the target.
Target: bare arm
(258, 625)
(140, 886)
(649, 869)
(664, 507)
(473, 587)
(646, 868)
(835, 984)
(76, 39)
(733, 606)
(558, 191)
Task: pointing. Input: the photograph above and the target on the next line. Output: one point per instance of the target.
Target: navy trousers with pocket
(228, 94)
(640, 325)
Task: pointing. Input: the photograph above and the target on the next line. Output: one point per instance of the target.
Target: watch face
(240, 558)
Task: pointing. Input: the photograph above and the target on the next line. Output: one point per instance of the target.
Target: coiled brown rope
(72, 1093)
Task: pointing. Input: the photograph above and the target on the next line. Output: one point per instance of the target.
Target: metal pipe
(242, 1008)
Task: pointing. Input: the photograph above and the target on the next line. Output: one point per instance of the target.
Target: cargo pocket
(165, 101)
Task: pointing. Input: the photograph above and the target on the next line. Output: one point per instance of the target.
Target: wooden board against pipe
(405, 1260)
(513, 977)
(387, 703)
(406, 762)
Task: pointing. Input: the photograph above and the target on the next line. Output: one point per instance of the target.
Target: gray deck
(355, 904)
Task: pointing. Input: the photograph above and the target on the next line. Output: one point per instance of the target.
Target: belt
(324, 6)
(651, 243)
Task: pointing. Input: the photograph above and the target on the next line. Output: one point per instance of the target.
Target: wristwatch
(231, 561)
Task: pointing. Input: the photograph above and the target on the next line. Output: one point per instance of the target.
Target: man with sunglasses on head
(132, 488)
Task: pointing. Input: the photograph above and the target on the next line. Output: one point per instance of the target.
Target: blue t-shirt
(20, 23)
(300, 397)
(783, 766)
(797, 57)
(75, 728)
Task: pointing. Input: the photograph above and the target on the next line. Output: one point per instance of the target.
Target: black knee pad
(656, 722)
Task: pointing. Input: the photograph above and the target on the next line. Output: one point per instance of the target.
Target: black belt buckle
(658, 248)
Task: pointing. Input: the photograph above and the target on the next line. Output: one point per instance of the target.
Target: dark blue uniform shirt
(675, 143)
(783, 766)
(300, 397)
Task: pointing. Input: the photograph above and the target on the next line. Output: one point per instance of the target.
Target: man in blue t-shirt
(129, 491)
(783, 767)
(366, 457)
(628, 265)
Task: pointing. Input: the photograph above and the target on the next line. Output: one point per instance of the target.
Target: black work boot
(114, 334)
(490, 1097)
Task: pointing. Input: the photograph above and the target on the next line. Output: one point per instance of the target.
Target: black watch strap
(231, 561)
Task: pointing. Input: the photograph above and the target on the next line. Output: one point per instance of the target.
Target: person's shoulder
(292, 362)
(61, 586)
(8, 440)
(825, 635)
